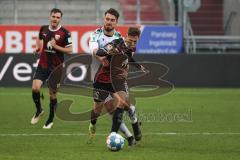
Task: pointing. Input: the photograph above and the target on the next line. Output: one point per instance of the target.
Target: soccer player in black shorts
(52, 43)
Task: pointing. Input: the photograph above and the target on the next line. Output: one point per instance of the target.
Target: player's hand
(104, 61)
(111, 50)
(36, 51)
(143, 69)
(53, 43)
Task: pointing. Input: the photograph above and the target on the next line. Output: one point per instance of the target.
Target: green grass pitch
(183, 124)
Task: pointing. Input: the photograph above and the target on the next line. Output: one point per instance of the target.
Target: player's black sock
(36, 99)
(53, 106)
(94, 117)
(117, 119)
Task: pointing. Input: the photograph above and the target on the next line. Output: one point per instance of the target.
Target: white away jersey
(98, 40)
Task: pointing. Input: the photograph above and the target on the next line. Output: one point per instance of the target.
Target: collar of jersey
(49, 27)
(108, 35)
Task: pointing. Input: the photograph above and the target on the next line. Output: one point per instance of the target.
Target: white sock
(132, 114)
(123, 128)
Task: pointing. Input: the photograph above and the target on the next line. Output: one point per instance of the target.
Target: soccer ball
(115, 141)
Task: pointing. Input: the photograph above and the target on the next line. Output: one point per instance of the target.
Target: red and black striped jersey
(50, 57)
(103, 73)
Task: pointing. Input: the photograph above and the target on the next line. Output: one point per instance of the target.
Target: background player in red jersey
(53, 42)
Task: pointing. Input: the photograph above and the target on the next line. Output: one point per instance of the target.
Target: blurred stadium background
(208, 25)
(198, 40)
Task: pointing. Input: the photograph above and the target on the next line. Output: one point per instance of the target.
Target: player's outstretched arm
(137, 65)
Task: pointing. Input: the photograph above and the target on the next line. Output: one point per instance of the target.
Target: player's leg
(133, 117)
(39, 77)
(110, 107)
(96, 111)
(36, 86)
(101, 93)
(123, 128)
(120, 98)
(52, 109)
(135, 123)
(54, 80)
(121, 101)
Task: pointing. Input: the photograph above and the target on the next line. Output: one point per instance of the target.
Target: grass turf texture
(183, 124)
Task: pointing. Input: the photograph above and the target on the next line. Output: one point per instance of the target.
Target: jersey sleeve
(93, 42)
(68, 39)
(40, 34)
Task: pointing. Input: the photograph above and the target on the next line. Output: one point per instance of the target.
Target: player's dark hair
(56, 10)
(134, 31)
(112, 11)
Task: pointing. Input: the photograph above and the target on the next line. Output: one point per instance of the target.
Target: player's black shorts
(120, 85)
(53, 78)
(41, 74)
(102, 91)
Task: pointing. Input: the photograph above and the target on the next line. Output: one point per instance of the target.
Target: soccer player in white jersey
(102, 93)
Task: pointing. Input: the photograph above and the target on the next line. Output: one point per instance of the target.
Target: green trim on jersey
(117, 34)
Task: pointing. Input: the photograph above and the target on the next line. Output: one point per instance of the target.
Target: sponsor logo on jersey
(57, 37)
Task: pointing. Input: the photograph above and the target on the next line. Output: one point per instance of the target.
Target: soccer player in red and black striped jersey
(53, 42)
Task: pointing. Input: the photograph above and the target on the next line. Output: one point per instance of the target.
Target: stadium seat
(208, 20)
(150, 11)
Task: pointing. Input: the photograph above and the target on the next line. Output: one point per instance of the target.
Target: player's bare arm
(39, 46)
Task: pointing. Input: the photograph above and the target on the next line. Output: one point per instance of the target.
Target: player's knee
(97, 110)
(109, 105)
(121, 103)
(52, 95)
(118, 103)
(126, 106)
(110, 108)
(35, 88)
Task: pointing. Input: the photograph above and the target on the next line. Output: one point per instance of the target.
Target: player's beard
(108, 28)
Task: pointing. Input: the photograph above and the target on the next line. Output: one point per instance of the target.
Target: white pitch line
(172, 93)
(71, 95)
(103, 134)
(29, 94)
(15, 94)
